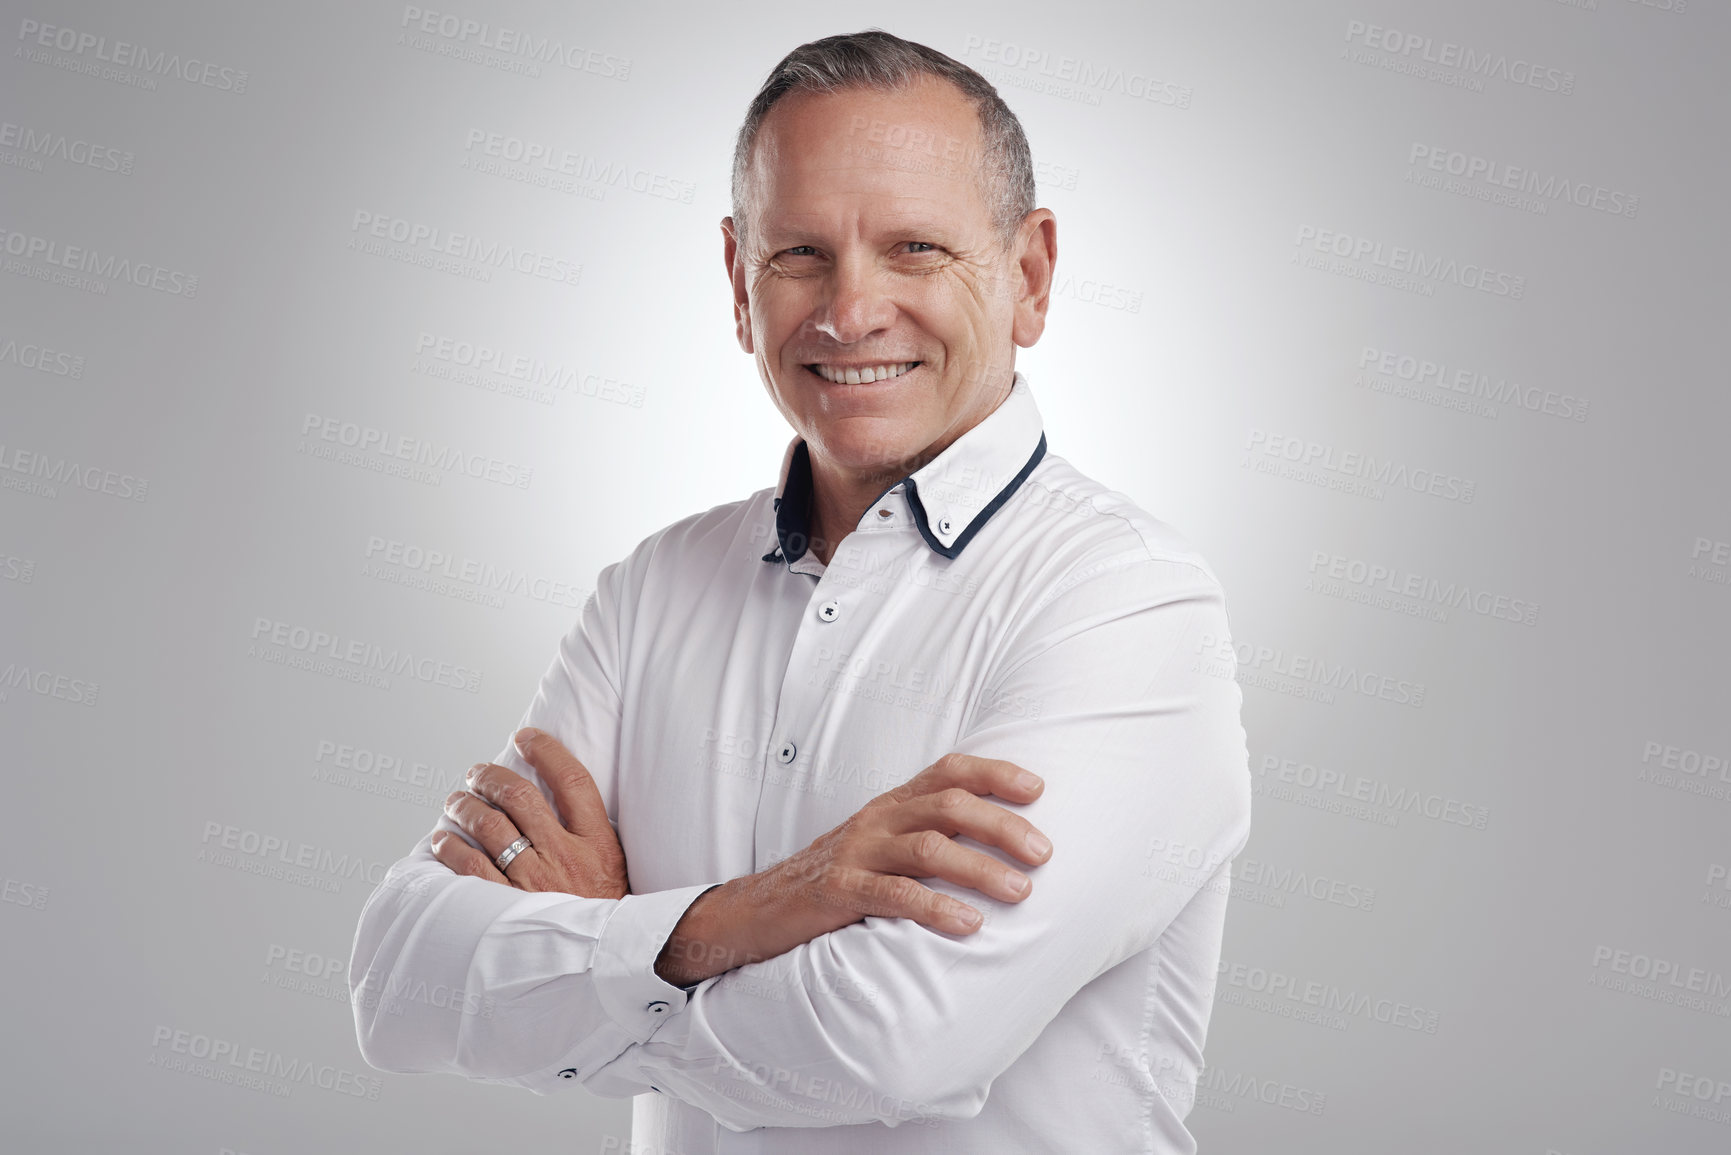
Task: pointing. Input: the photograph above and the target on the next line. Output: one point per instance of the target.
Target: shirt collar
(951, 497)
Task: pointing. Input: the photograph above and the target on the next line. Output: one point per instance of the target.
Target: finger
(956, 811)
(974, 774)
(520, 800)
(897, 896)
(462, 858)
(574, 788)
(482, 822)
(928, 854)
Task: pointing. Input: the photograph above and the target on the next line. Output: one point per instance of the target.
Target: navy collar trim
(793, 508)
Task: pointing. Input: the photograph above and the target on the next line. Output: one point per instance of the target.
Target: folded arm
(544, 973)
(887, 1020)
(457, 974)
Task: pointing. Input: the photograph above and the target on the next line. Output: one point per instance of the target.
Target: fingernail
(1016, 882)
(473, 770)
(970, 917)
(524, 736)
(1037, 843)
(1028, 780)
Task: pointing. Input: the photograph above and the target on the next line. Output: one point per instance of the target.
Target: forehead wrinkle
(793, 150)
(912, 211)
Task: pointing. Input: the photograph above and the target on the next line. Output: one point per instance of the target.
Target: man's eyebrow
(892, 226)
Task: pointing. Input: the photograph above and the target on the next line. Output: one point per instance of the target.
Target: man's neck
(839, 498)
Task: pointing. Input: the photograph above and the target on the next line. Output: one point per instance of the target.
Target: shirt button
(786, 753)
(945, 525)
(829, 611)
(658, 1008)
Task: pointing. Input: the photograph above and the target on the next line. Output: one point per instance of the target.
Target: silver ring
(511, 852)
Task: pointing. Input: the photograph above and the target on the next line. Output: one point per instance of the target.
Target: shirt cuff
(630, 991)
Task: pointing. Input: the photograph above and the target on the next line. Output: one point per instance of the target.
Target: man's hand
(867, 866)
(574, 851)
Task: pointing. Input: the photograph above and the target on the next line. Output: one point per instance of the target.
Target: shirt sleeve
(1120, 692)
(462, 975)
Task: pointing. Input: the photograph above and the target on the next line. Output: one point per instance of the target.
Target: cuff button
(568, 1073)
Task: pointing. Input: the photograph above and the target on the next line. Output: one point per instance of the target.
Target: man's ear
(736, 275)
(1036, 256)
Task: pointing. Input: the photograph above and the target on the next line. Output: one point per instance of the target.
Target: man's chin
(872, 445)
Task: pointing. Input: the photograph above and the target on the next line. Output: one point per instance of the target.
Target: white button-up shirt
(735, 698)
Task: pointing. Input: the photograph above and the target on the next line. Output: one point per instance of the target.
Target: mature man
(692, 876)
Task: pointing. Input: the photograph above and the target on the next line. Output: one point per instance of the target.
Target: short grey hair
(879, 60)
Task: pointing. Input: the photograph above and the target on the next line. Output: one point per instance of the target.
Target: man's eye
(921, 247)
(799, 251)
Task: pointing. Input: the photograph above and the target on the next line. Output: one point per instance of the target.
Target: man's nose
(857, 304)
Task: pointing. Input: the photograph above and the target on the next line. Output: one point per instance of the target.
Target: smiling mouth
(862, 374)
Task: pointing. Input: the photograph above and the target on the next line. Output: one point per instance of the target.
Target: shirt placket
(832, 622)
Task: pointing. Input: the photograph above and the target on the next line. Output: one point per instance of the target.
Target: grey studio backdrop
(342, 345)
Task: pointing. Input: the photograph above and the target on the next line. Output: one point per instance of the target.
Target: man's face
(871, 284)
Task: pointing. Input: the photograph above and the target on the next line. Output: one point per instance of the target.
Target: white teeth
(866, 375)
